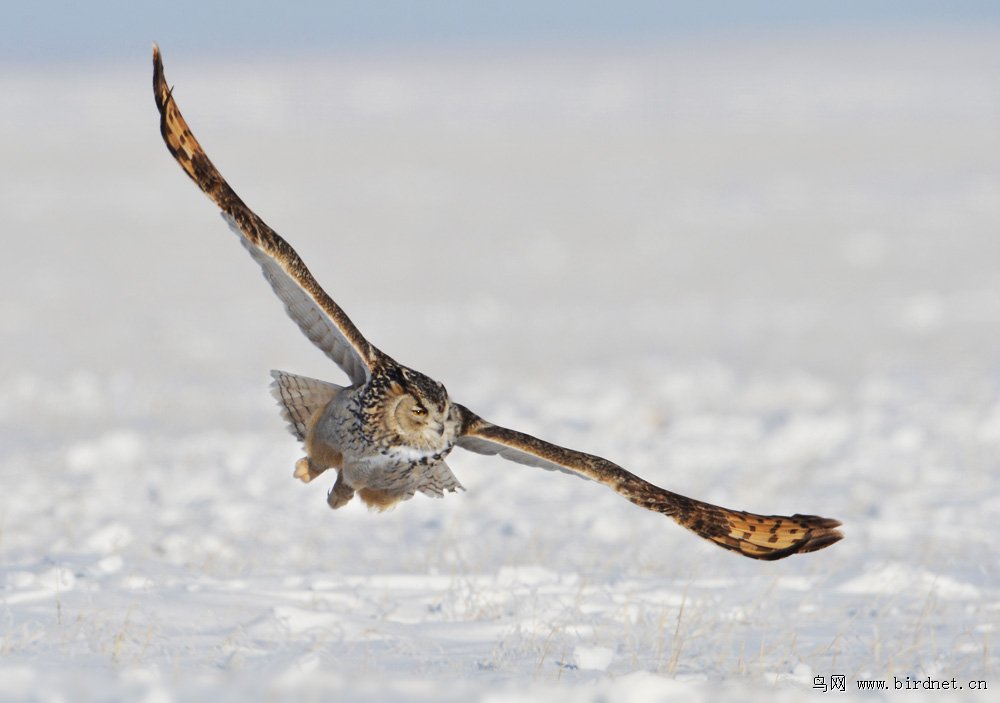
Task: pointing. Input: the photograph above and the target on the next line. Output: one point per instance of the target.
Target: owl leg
(341, 493)
(320, 458)
(306, 469)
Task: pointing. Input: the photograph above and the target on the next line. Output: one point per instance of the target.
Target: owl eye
(419, 410)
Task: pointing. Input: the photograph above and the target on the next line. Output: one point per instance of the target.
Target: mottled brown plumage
(388, 433)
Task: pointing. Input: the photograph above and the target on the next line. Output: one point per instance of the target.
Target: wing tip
(157, 61)
(824, 533)
(161, 93)
(819, 522)
(821, 533)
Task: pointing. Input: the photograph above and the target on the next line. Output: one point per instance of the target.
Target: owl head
(419, 410)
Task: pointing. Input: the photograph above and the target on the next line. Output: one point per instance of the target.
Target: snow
(763, 274)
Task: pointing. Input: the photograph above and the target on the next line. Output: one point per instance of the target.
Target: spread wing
(317, 315)
(757, 536)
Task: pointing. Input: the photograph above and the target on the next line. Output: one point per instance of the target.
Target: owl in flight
(387, 434)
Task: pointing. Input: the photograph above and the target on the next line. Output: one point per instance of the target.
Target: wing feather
(766, 537)
(323, 322)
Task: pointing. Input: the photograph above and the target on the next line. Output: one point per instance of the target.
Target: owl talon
(341, 493)
(339, 498)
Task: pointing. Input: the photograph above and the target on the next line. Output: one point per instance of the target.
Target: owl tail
(301, 398)
(438, 480)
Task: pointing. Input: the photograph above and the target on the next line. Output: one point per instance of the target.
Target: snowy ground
(763, 274)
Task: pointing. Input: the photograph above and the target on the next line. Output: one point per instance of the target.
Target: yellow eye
(419, 410)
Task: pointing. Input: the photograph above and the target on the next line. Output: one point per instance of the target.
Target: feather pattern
(301, 398)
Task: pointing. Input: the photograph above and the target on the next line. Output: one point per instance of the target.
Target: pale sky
(69, 31)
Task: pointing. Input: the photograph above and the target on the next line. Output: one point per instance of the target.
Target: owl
(388, 433)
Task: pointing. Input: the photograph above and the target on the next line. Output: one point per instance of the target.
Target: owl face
(420, 412)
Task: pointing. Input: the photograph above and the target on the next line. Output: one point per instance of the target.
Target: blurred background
(806, 186)
(61, 32)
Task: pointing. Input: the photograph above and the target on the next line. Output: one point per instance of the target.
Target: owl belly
(398, 472)
(382, 483)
